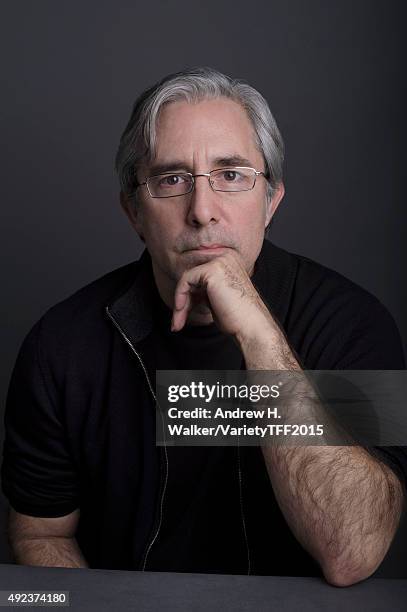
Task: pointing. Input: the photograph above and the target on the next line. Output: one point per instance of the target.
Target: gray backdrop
(332, 71)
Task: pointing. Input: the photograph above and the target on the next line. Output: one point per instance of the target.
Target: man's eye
(230, 175)
(171, 180)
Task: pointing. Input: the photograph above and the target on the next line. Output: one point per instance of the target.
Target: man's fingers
(179, 317)
(182, 305)
(179, 300)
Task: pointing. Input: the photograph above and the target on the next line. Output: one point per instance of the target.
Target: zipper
(164, 486)
(240, 480)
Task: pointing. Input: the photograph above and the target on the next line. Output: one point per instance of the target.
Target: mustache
(188, 242)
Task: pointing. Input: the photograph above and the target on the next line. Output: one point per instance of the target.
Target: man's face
(198, 138)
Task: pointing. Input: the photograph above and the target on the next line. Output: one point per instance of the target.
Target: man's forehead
(212, 119)
(218, 131)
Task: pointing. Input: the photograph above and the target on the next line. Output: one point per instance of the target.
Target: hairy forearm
(48, 552)
(342, 505)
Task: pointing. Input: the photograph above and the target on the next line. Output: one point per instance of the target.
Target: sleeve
(38, 475)
(374, 343)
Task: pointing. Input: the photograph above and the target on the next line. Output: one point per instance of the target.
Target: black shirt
(80, 420)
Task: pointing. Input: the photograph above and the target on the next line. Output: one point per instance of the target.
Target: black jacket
(80, 417)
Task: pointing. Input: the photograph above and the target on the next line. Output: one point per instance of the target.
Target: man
(200, 166)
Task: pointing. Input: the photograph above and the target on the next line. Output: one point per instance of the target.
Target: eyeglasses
(172, 184)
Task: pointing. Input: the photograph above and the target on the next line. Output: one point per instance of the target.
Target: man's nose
(204, 204)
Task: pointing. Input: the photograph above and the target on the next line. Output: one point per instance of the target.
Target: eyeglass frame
(194, 176)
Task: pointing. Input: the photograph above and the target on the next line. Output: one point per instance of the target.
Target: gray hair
(138, 140)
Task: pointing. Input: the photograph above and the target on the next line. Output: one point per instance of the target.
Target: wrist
(256, 332)
(264, 346)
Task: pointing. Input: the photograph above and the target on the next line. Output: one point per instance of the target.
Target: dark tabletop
(122, 590)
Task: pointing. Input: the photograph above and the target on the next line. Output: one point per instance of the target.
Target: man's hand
(224, 286)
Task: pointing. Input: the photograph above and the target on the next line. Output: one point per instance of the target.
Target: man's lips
(207, 247)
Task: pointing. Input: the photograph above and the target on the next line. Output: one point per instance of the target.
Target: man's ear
(131, 209)
(272, 205)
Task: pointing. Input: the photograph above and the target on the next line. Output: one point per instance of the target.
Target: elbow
(340, 577)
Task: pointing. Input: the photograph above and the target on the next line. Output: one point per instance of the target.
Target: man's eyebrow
(231, 160)
(217, 162)
(175, 164)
